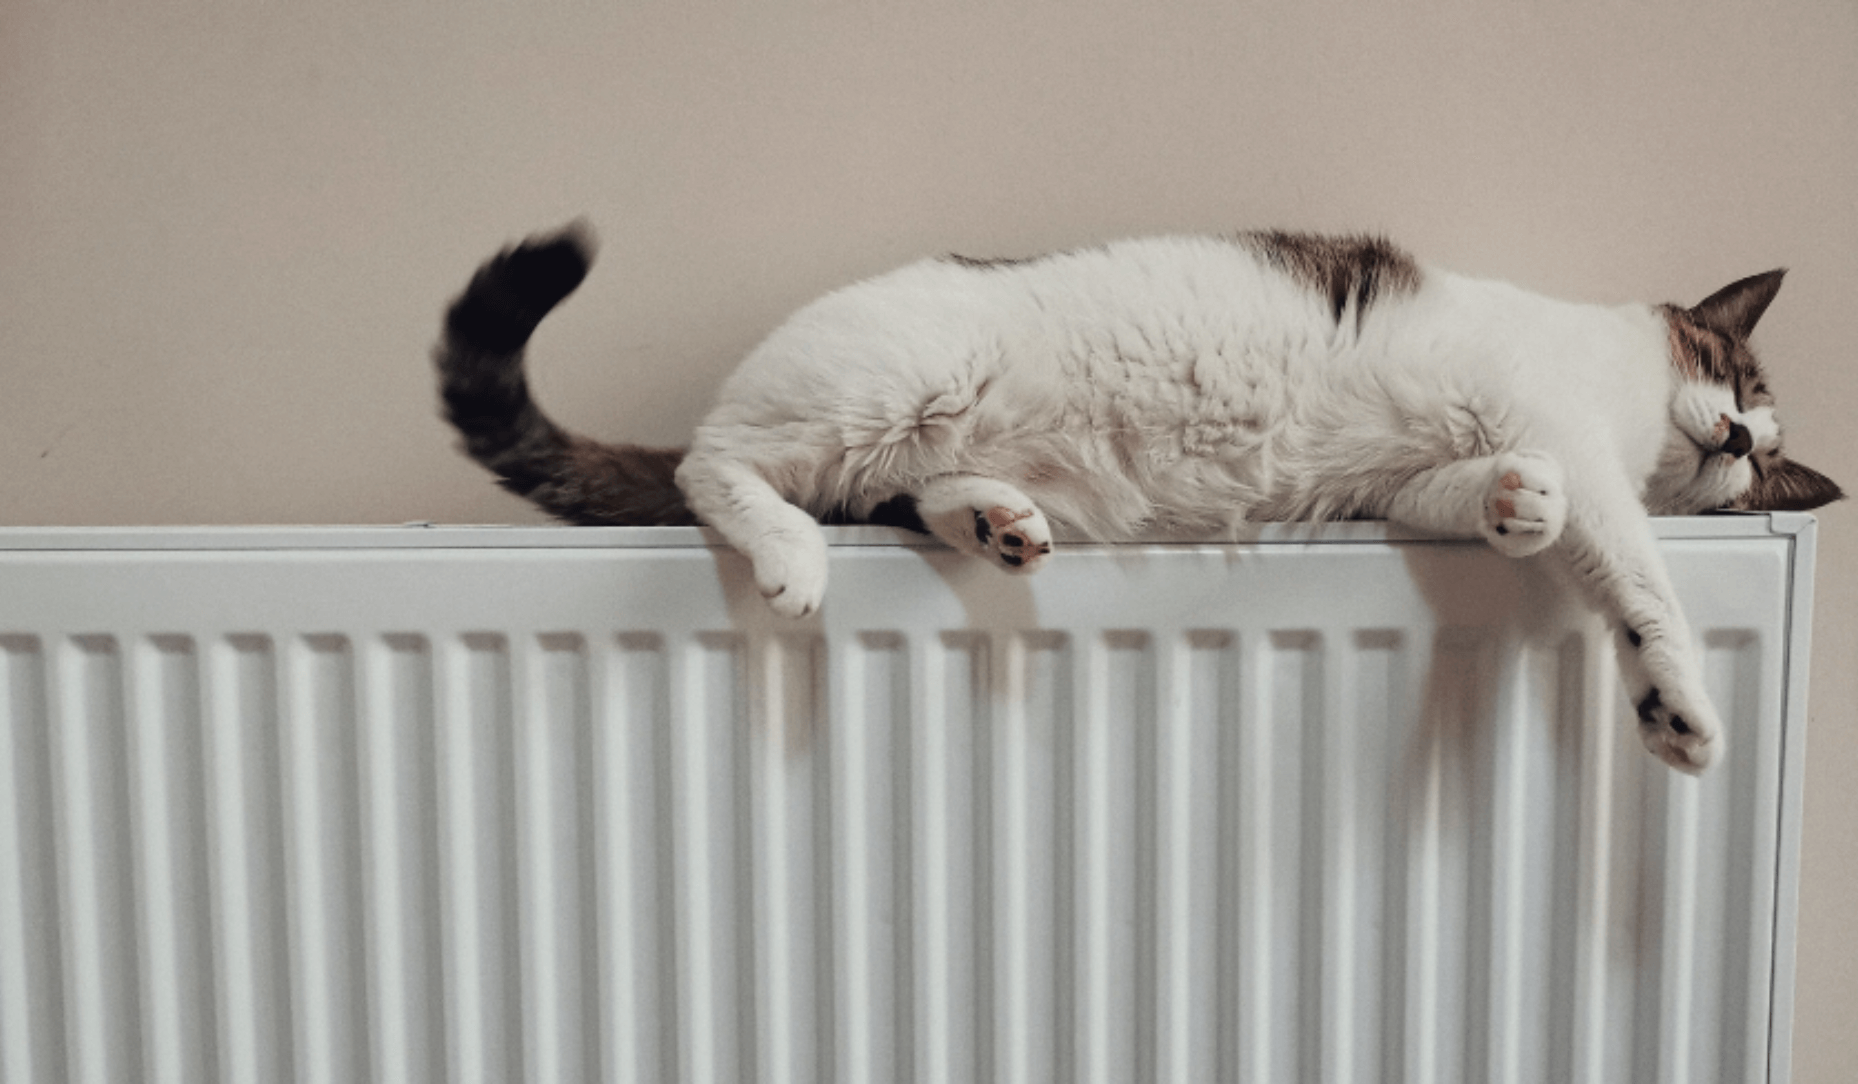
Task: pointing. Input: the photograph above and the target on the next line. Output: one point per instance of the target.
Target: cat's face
(1724, 447)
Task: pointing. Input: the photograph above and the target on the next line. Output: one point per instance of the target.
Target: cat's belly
(1125, 459)
(1114, 422)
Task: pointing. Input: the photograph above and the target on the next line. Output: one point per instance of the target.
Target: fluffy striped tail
(480, 363)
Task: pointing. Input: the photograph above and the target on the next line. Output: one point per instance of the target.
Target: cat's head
(1725, 447)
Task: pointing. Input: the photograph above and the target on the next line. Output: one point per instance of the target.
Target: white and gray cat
(1184, 384)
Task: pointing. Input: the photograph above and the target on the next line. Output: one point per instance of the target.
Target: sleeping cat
(1184, 384)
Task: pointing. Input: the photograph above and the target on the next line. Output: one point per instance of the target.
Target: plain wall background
(227, 230)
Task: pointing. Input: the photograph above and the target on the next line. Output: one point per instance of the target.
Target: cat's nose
(1740, 443)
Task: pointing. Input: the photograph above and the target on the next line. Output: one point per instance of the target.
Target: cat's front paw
(790, 571)
(1525, 505)
(1679, 730)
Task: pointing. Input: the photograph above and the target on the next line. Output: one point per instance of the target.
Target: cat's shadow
(1495, 621)
(990, 599)
(1518, 667)
(1508, 646)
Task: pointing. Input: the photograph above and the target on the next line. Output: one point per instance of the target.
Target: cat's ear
(1735, 309)
(1786, 486)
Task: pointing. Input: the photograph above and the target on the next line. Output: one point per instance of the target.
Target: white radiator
(489, 805)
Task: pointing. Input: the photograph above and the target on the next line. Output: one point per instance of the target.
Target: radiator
(545, 804)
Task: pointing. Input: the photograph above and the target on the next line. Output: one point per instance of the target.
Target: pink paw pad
(1014, 548)
(1505, 507)
(998, 517)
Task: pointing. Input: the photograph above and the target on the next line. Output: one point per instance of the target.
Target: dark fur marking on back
(989, 263)
(1352, 271)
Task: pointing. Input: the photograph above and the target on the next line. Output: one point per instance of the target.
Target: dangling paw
(1525, 505)
(988, 519)
(1679, 731)
(790, 569)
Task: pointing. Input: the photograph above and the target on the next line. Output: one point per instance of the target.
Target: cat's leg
(1515, 500)
(1518, 502)
(1609, 545)
(986, 518)
(783, 543)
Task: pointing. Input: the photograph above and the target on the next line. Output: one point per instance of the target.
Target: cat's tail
(480, 363)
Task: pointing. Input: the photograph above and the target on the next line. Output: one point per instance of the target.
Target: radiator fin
(631, 741)
(401, 871)
(32, 1028)
(246, 838)
(170, 820)
(794, 911)
(103, 964)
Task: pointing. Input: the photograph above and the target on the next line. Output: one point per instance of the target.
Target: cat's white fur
(1189, 384)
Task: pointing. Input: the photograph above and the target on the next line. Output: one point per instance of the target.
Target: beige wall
(226, 230)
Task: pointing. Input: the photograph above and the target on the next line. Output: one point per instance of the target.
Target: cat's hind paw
(1526, 504)
(987, 518)
(1682, 735)
(1016, 539)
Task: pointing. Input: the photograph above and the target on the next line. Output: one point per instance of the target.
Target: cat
(1184, 384)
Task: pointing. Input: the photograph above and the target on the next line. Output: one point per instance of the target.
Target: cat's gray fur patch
(1352, 271)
